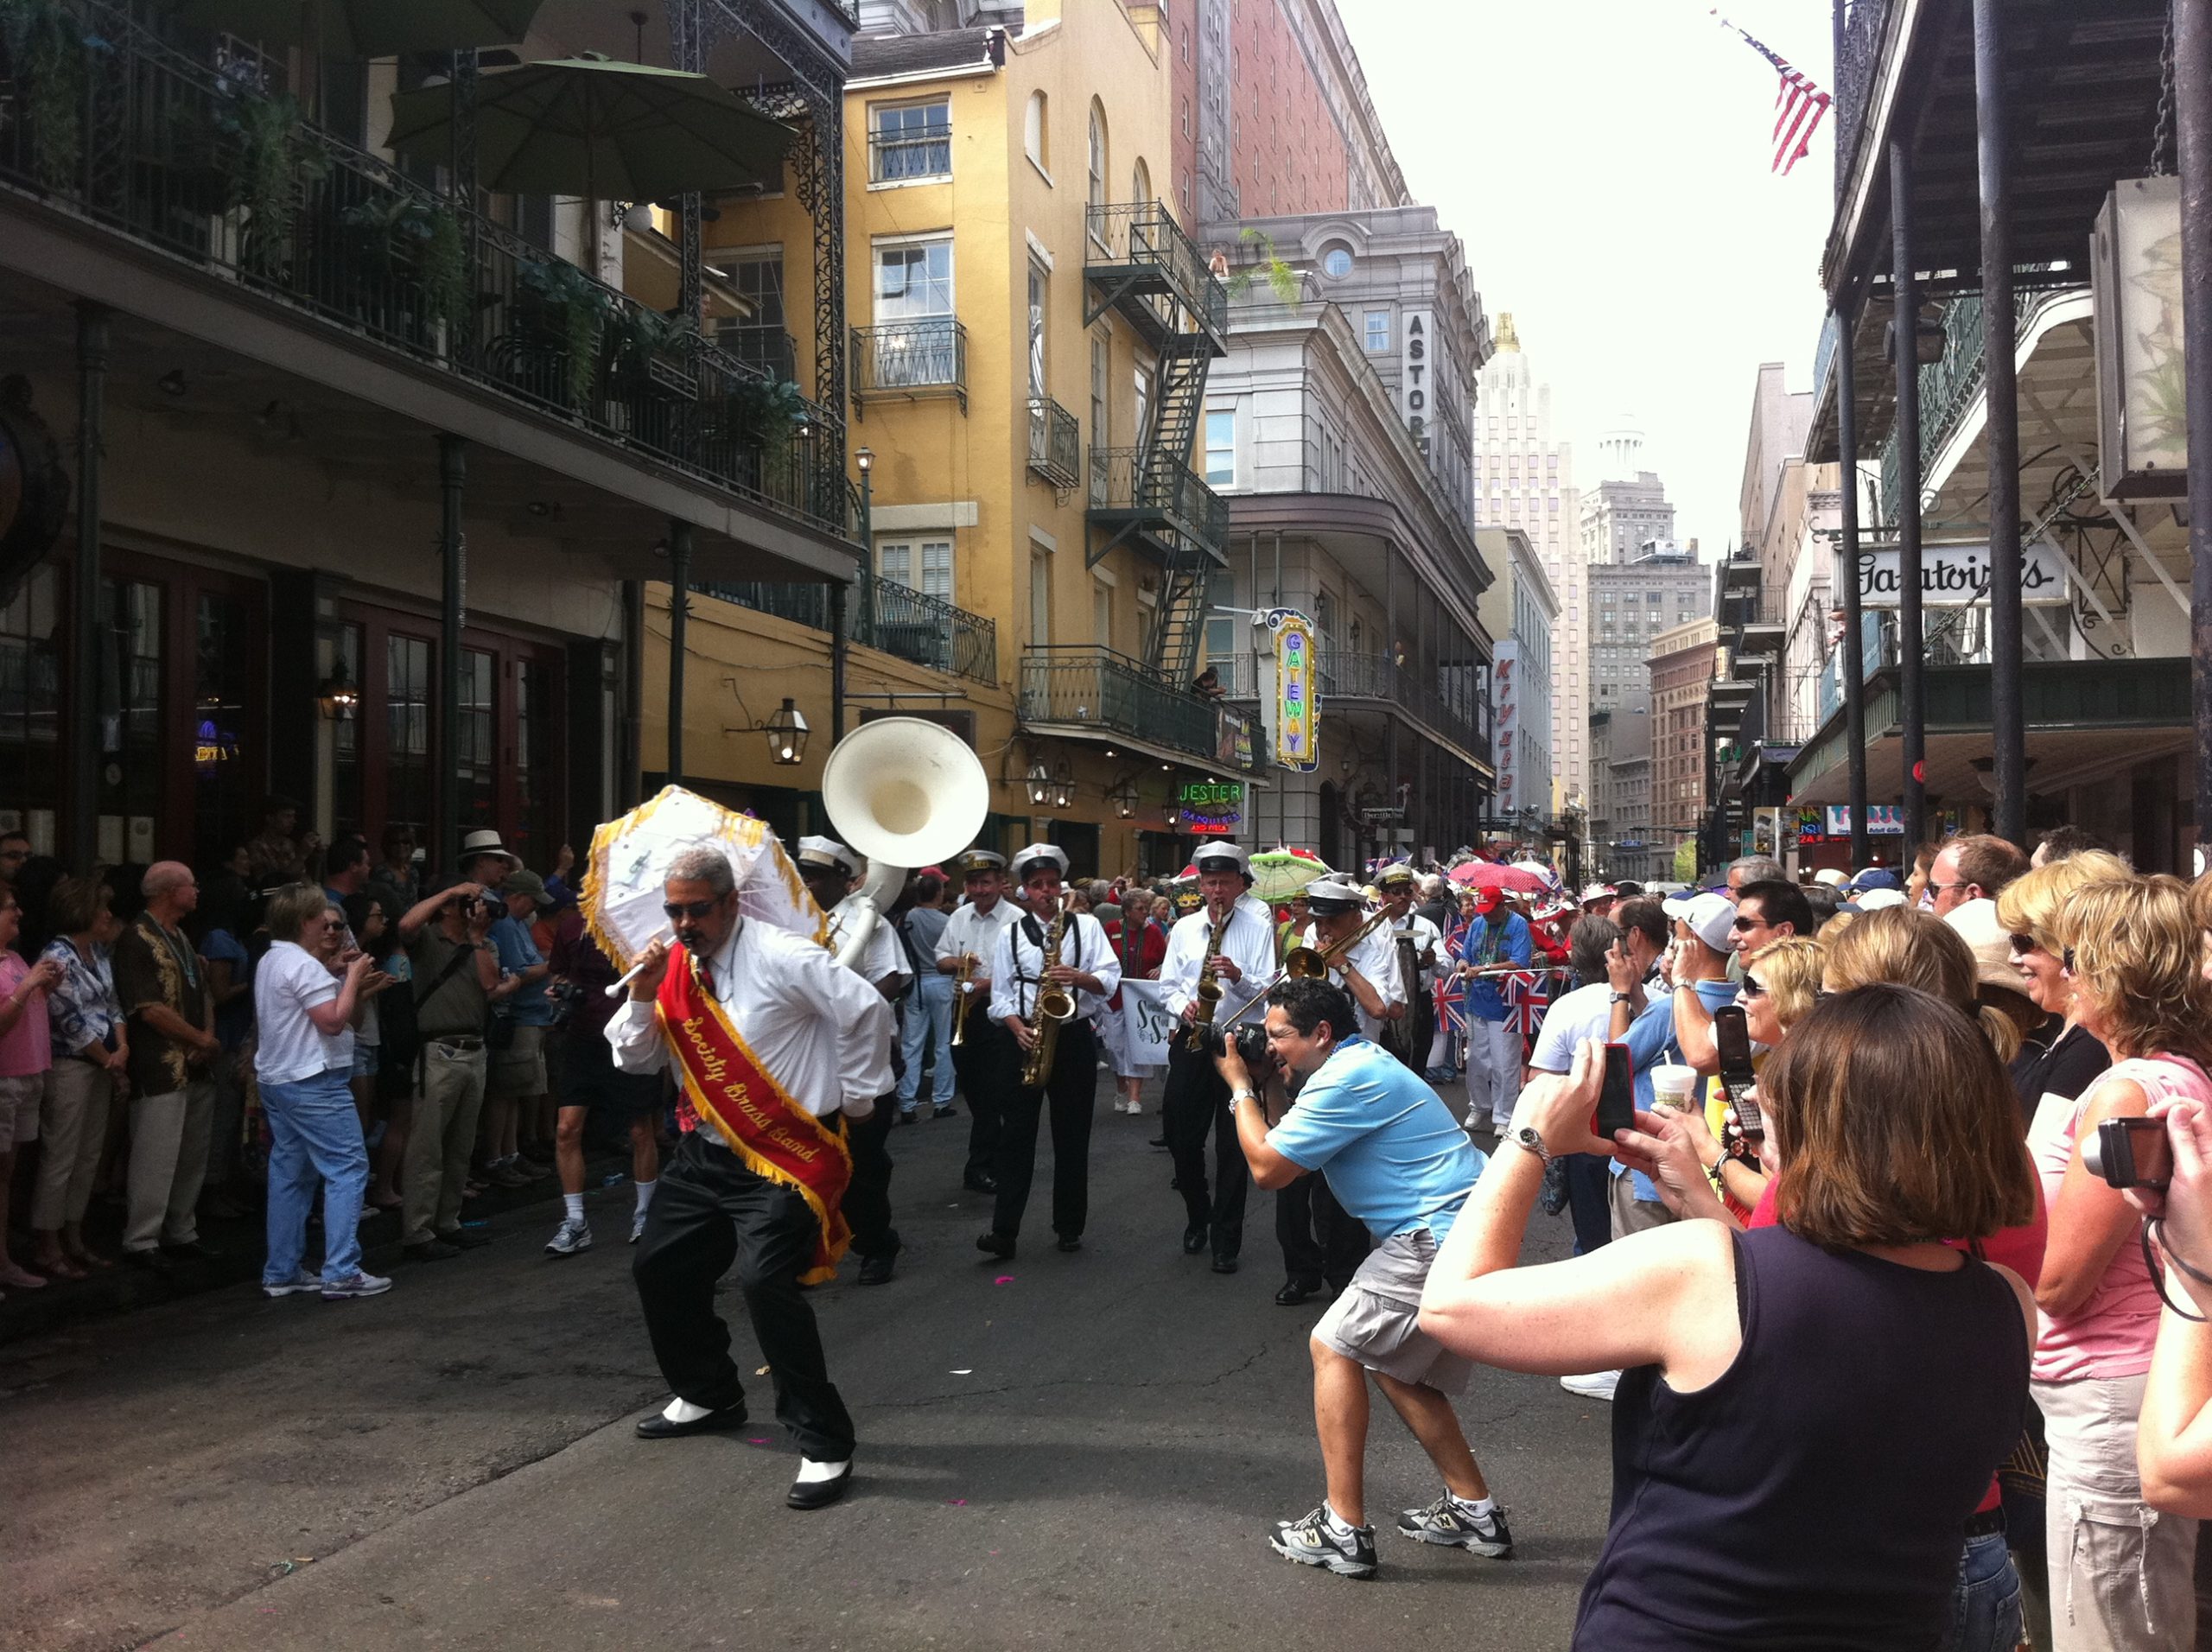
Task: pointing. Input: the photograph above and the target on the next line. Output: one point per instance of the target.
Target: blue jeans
(929, 1017)
(314, 1133)
(1986, 1601)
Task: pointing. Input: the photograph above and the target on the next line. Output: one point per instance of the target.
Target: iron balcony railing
(1166, 495)
(1055, 442)
(1858, 60)
(1139, 244)
(911, 358)
(224, 177)
(1951, 385)
(904, 156)
(1363, 675)
(883, 615)
(769, 349)
(1082, 685)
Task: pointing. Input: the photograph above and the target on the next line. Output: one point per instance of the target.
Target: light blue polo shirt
(1650, 1040)
(1394, 1155)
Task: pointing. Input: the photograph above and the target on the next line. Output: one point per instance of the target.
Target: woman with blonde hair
(2061, 1058)
(2121, 1572)
(1918, 949)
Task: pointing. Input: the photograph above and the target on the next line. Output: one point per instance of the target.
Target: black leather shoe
(465, 1239)
(1224, 1264)
(152, 1260)
(1194, 1240)
(818, 1494)
(659, 1427)
(191, 1251)
(1295, 1290)
(1071, 1241)
(876, 1270)
(430, 1250)
(997, 1244)
(980, 1181)
(1158, 1141)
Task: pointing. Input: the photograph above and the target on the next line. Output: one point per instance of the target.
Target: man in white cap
(1083, 965)
(1367, 968)
(1421, 952)
(983, 1056)
(1198, 1096)
(829, 868)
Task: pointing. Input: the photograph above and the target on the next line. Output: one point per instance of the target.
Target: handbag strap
(460, 956)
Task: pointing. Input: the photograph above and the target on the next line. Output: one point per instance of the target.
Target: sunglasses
(1751, 989)
(2066, 960)
(1741, 924)
(679, 910)
(2023, 943)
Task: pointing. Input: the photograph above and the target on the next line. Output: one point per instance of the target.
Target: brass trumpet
(963, 980)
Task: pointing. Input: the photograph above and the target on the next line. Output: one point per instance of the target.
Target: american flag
(1798, 105)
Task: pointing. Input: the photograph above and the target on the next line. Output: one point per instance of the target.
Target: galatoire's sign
(1957, 575)
(1297, 711)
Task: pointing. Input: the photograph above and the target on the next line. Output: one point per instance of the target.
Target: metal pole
(867, 555)
(633, 690)
(83, 838)
(452, 551)
(2007, 716)
(837, 661)
(1905, 332)
(679, 615)
(2193, 123)
(1854, 650)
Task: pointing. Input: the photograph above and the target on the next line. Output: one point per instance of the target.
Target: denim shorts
(365, 1060)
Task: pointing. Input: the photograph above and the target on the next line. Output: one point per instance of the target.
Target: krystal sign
(1958, 575)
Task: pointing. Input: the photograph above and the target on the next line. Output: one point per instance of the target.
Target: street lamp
(1123, 797)
(786, 732)
(336, 698)
(865, 457)
(1063, 787)
(1040, 785)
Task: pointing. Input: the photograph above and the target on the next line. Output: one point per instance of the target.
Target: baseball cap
(1711, 917)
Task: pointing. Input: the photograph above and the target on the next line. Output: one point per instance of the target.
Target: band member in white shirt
(1322, 1246)
(1084, 966)
(1197, 1100)
(751, 1012)
(1408, 1037)
(984, 1058)
(830, 870)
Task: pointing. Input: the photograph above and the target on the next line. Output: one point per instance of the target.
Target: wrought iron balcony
(1164, 501)
(1951, 385)
(162, 150)
(1857, 58)
(771, 349)
(1055, 443)
(906, 361)
(1363, 676)
(904, 156)
(882, 614)
(1082, 686)
(1136, 255)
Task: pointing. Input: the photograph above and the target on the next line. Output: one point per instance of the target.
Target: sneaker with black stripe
(1454, 1524)
(1313, 1540)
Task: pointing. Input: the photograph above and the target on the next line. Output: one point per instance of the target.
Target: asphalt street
(1078, 1449)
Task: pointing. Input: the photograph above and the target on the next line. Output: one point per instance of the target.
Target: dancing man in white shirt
(1086, 966)
(770, 1041)
(1198, 1099)
(985, 1057)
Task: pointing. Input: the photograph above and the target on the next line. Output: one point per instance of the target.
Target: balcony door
(913, 341)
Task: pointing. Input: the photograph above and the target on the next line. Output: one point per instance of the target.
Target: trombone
(1311, 963)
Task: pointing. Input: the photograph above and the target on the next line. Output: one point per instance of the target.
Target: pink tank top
(2112, 1333)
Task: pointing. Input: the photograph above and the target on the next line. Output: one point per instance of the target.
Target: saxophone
(1208, 993)
(1055, 1004)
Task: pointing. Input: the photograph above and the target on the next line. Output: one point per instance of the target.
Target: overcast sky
(1605, 163)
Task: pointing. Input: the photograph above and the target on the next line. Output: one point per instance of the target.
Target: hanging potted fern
(46, 45)
(567, 309)
(267, 166)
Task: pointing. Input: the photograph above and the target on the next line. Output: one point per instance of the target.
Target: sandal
(57, 1267)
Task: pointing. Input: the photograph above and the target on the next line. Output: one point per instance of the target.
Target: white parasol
(628, 865)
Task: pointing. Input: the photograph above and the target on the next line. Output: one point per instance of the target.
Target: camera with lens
(1253, 1050)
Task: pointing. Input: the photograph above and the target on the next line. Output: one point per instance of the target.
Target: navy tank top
(1815, 1493)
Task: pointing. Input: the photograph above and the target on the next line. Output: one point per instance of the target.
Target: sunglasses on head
(678, 910)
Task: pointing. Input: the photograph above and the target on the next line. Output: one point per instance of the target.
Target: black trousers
(1197, 1104)
(985, 1063)
(1070, 1093)
(1320, 1239)
(867, 1196)
(711, 1212)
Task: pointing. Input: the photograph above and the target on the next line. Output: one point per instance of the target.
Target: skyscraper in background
(1524, 478)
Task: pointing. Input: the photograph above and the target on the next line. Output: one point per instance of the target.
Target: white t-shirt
(1573, 1019)
(290, 981)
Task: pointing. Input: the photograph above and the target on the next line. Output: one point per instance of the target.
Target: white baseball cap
(1711, 916)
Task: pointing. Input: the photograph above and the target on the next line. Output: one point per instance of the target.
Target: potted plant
(564, 308)
(267, 165)
(45, 45)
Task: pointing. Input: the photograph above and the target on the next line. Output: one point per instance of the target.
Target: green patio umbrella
(364, 28)
(594, 127)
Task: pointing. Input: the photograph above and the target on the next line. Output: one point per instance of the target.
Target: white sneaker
(359, 1285)
(575, 1235)
(1592, 1385)
(301, 1282)
(638, 1226)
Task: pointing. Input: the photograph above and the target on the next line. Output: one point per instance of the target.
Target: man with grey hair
(1753, 869)
(163, 989)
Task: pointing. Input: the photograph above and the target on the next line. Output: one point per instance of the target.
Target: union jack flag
(1799, 106)
(1528, 995)
(1450, 993)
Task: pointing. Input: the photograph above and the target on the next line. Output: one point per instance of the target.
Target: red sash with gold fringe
(777, 1138)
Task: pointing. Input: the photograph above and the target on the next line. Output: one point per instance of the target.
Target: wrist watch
(1526, 1137)
(1620, 998)
(1237, 1095)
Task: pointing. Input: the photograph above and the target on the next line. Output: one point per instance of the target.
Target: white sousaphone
(905, 792)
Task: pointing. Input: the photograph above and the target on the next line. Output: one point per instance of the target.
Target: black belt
(1985, 1523)
(457, 1040)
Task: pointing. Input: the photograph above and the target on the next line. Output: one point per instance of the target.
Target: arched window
(1034, 131)
(1097, 197)
(1140, 182)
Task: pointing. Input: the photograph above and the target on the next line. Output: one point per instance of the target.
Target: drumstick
(635, 969)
